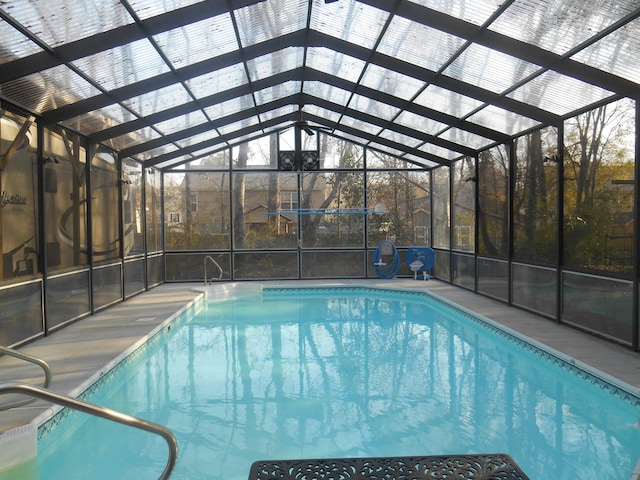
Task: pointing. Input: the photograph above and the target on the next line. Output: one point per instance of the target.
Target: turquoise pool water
(311, 373)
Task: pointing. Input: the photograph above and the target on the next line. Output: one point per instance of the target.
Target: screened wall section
(546, 222)
(79, 228)
(260, 221)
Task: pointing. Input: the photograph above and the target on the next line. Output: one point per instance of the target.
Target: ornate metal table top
(496, 466)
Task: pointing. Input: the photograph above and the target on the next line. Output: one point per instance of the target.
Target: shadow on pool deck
(76, 352)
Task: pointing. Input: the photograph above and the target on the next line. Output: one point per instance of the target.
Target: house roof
(431, 81)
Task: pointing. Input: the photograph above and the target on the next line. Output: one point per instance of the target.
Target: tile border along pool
(80, 353)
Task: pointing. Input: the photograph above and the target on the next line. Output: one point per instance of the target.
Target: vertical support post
(635, 326)
(560, 223)
(511, 149)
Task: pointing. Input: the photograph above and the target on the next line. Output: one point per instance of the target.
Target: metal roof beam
(429, 76)
(169, 78)
(213, 124)
(373, 138)
(227, 138)
(278, 120)
(384, 124)
(186, 108)
(515, 48)
(426, 112)
(116, 37)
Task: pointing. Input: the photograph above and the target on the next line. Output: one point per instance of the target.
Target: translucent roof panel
(549, 92)
(477, 12)
(489, 69)
(156, 152)
(276, 62)
(352, 138)
(182, 122)
(277, 91)
(57, 21)
(393, 83)
(468, 139)
(419, 160)
(339, 18)
(100, 119)
(124, 65)
(385, 148)
(418, 44)
(617, 53)
(49, 89)
(502, 120)
(198, 41)
(21, 46)
(460, 68)
(559, 26)
(360, 125)
(158, 100)
(270, 18)
(217, 81)
(335, 63)
(230, 107)
(373, 107)
(329, 115)
(400, 138)
(447, 101)
(418, 122)
(168, 163)
(150, 8)
(278, 112)
(328, 92)
(197, 139)
(439, 151)
(232, 127)
(134, 138)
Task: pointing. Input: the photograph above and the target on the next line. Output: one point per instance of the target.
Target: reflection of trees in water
(360, 368)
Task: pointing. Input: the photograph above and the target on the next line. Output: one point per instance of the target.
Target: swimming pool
(344, 372)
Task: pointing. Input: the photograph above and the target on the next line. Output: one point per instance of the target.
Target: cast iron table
(497, 466)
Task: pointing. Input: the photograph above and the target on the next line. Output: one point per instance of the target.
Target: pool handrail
(209, 257)
(102, 412)
(28, 358)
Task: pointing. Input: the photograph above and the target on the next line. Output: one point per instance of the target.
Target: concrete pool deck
(76, 352)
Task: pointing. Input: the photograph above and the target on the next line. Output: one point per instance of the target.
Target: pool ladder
(206, 279)
(85, 407)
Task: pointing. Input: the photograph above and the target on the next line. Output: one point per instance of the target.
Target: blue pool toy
(420, 259)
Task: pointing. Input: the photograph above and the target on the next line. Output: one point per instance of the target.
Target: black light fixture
(552, 158)
(50, 159)
(123, 181)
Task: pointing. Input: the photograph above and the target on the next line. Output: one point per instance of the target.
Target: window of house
(288, 200)
(193, 202)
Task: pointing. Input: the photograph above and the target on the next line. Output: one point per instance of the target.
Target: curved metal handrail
(101, 412)
(209, 257)
(28, 358)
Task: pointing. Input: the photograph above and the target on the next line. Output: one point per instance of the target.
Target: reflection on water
(347, 376)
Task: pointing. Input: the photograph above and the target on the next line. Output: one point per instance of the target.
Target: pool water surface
(344, 372)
